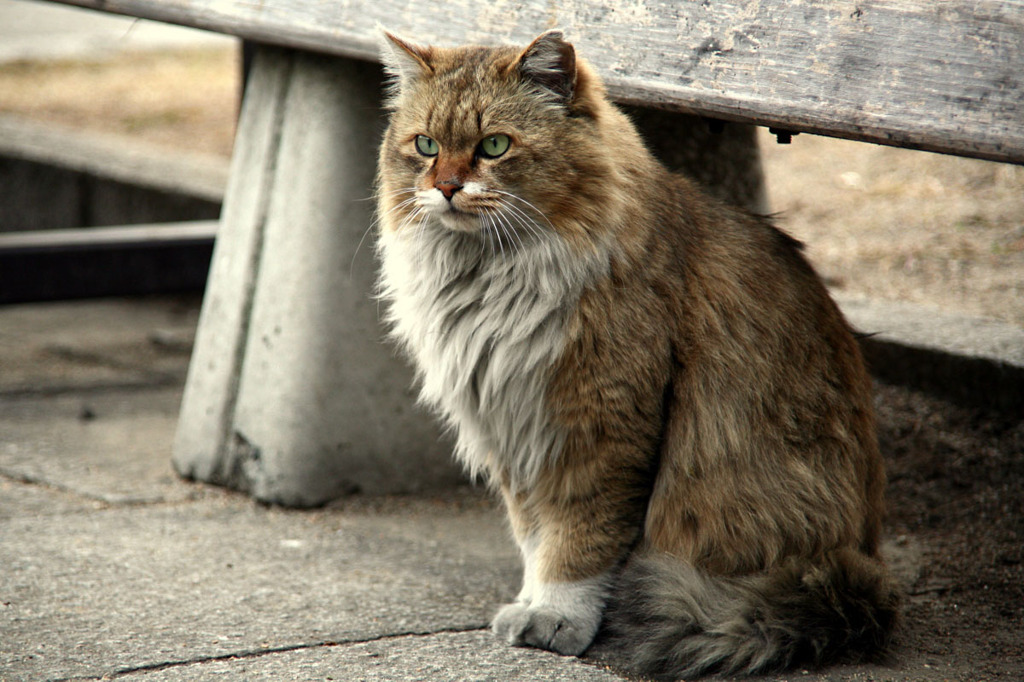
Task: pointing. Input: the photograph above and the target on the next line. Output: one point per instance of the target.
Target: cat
(673, 410)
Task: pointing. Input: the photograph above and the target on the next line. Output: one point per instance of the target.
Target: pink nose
(448, 189)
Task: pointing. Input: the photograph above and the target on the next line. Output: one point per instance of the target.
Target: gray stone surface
(293, 396)
(55, 348)
(113, 566)
(931, 328)
(120, 439)
(440, 657)
(19, 499)
(110, 567)
(970, 360)
(140, 586)
(207, 410)
(102, 381)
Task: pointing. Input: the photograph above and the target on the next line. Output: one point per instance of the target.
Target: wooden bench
(291, 394)
(942, 76)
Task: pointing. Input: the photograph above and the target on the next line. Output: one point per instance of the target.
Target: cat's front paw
(546, 628)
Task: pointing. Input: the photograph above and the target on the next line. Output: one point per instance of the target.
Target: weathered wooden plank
(941, 75)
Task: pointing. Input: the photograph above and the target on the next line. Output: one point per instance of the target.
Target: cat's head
(506, 141)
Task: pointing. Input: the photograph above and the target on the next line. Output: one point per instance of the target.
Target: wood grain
(940, 75)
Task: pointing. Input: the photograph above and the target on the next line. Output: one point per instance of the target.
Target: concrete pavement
(111, 567)
(114, 567)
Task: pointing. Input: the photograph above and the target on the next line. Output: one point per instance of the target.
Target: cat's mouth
(459, 219)
(459, 213)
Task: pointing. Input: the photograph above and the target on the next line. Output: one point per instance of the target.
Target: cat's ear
(550, 63)
(404, 62)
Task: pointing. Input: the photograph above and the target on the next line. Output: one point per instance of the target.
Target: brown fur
(713, 402)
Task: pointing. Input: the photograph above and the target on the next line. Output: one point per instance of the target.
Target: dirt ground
(882, 222)
(956, 501)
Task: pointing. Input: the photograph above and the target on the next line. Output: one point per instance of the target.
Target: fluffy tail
(676, 621)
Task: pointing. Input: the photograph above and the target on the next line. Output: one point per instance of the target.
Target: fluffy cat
(673, 409)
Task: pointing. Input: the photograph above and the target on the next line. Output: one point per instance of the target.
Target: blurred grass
(180, 99)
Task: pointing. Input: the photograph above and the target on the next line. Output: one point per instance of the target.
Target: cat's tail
(676, 621)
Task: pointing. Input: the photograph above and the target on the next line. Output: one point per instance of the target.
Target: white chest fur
(484, 330)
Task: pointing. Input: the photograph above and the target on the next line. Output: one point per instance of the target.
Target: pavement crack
(107, 500)
(267, 651)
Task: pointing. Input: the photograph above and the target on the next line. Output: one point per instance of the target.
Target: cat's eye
(426, 146)
(494, 146)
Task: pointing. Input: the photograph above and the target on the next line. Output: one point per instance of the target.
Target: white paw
(545, 628)
(562, 617)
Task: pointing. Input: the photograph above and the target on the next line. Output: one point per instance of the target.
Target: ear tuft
(404, 62)
(550, 63)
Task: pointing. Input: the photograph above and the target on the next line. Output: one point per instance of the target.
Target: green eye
(426, 146)
(494, 146)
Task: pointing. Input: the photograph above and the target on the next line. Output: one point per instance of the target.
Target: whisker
(491, 229)
(352, 263)
(527, 203)
(484, 242)
(497, 235)
(528, 223)
(391, 193)
(400, 205)
(515, 239)
(515, 212)
(521, 217)
(520, 220)
(421, 225)
(380, 216)
(377, 220)
(493, 238)
(409, 219)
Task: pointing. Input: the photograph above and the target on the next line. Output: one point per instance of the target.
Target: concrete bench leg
(292, 394)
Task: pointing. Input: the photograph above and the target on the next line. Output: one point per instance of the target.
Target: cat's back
(732, 272)
(749, 316)
(766, 375)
